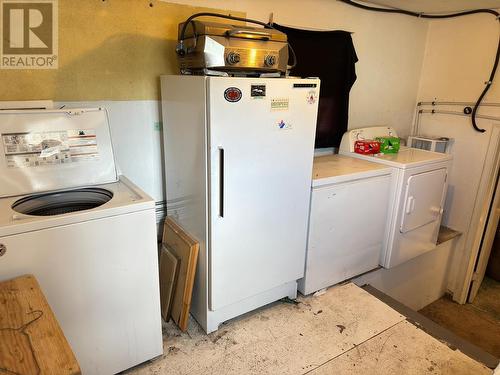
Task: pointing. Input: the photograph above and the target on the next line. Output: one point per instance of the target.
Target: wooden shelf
(447, 234)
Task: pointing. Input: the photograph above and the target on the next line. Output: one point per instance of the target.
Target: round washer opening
(62, 202)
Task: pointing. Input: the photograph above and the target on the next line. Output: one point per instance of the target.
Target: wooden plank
(185, 248)
(31, 341)
(168, 274)
(446, 234)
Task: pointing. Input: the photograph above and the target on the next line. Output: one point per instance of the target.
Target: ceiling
(437, 6)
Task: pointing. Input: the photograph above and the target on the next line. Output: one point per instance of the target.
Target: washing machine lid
(47, 150)
(410, 157)
(405, 158)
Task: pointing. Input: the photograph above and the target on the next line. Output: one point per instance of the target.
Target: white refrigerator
(238, 165)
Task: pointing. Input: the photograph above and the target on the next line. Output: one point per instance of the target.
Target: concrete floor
(478, 322)
(344, 331)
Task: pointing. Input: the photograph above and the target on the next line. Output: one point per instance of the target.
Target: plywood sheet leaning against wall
(185, 248)
(169, 266)
(108, 50)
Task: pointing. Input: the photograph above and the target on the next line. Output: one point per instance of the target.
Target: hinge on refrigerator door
(475, 276)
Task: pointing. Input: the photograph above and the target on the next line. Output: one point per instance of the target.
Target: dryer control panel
(350, 137)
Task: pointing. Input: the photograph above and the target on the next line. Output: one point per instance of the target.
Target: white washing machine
(87, 235)
(418, 194)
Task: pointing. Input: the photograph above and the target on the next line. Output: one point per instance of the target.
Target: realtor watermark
(29, 34)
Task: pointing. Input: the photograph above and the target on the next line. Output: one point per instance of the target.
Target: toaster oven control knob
(233, 58)
(270, 60)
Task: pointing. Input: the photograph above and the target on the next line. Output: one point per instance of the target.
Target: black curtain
(329, 55)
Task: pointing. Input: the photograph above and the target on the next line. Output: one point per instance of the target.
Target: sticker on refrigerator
(284, 125)
(34, 149)
(279, 104)
(258, 91)
(304, 85)
(232, 94)
(312, 97)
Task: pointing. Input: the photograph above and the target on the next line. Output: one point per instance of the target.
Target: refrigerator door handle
(221, 182)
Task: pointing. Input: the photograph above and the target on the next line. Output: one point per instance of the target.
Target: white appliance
(436, 144)
(88, 236)
(419, 190)
(238, 154)
(348, 197)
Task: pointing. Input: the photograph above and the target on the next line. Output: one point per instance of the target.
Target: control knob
(269, 60)
(233, 58)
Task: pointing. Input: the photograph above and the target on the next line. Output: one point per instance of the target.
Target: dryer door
(423, 199)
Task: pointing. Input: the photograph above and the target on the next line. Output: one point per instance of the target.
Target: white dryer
(87, 235)
(418, 194)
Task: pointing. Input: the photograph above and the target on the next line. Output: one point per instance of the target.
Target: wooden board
(168, 274)
(185, 248)
(31, 341)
